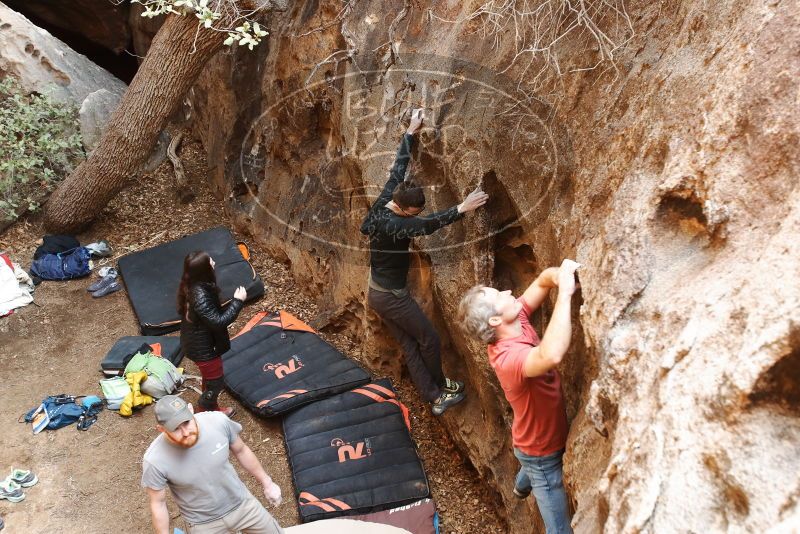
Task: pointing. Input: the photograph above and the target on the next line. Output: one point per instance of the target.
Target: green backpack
(163, 378)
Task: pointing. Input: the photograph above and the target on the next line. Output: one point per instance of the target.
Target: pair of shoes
(445, 401)
(100, 249)
(112, 287)
(24, 478)
(107, 275)
(229, 411)
(453, 386)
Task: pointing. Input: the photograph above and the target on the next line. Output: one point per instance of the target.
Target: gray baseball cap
(172, 411)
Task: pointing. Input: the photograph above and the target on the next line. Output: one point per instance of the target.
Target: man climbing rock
(527, 373)
(191, 457)
(393, 220)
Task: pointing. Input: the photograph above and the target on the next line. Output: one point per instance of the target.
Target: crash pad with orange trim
(277, 363)
(353, 454)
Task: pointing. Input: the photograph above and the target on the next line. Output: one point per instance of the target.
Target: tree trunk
(175, 59)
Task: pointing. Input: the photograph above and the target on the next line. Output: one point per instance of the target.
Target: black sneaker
(452, 386)
(445, 401)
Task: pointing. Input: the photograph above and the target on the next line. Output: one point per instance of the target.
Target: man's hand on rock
(417, 116)
(474, 200)
(566, 277)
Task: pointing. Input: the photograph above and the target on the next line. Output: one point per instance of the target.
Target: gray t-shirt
(201, 478)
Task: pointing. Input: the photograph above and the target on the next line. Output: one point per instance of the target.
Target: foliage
(39, 145)
(209, 12)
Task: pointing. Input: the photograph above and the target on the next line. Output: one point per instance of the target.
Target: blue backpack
(62, 266)
(59, 411)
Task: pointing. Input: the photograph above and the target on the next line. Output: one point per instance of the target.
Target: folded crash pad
(277, 363)
(152, 276)
(168, 347)
(353, 454)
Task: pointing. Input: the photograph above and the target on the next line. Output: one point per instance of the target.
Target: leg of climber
(421, 348)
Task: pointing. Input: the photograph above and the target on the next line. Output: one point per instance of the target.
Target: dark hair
(196, 269)
(409, 195)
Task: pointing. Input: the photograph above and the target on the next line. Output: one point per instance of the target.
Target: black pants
(415, 333)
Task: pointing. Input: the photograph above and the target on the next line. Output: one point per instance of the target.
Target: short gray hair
(474, 312)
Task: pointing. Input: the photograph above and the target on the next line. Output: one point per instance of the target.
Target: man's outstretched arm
(540, 288)
(419, 225)
(251, 464)
(556, 339)
(398, 172)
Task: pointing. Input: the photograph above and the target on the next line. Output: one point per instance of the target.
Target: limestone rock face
(44, 64)
(671, 175)
(103, 22)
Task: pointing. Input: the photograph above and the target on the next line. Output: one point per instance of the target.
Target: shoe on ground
(453, 386)
(100, 249)
(107, 290)
(445, 401)
(24, 478)
(102, 272)
(104, 282)
(11, 491)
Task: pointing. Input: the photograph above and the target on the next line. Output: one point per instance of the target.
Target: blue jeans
(544, 476)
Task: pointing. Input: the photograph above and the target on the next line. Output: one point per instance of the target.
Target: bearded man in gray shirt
(190, 456)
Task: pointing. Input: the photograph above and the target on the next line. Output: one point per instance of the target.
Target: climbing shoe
(24, 478)
(107, 290)
(11, 491)
(445, 401)
(453, 386)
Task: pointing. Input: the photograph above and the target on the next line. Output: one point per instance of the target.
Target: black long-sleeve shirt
(390, 234)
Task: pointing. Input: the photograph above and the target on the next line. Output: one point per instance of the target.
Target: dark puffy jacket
(205, 335)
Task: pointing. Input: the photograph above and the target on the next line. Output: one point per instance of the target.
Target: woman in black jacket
(204, 324)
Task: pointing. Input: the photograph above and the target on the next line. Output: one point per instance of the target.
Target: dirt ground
(89, 481)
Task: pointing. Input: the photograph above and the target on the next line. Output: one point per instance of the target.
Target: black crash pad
(277, 363)
(113, 363)
(353, 454)
(152, 276)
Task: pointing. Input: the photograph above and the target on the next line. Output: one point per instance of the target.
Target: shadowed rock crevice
(779, 387)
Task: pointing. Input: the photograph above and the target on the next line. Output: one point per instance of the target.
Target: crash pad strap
(379, 398)
(288, 395)
(285, 321)
(325, 504)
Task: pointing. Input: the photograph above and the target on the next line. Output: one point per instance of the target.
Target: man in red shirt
(526, 369)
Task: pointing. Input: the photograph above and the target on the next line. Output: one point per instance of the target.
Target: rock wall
(670, 174)
(43, 63)
(102, 22)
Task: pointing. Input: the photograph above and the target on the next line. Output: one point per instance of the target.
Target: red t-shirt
(540, 417)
